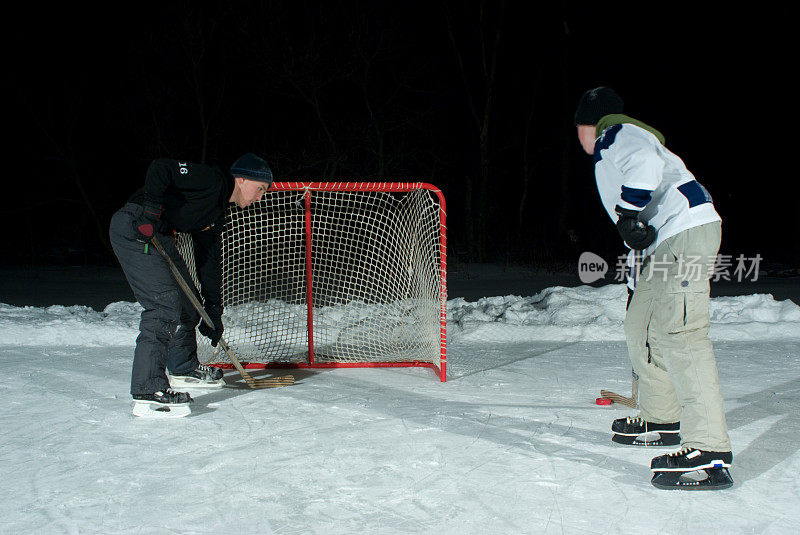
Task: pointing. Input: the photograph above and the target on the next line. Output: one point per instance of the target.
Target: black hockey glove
(636, 234)
(215, 313)
(146, 225)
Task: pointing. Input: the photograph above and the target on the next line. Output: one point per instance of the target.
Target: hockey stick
(285, 380)
(632, 401)
(617, 398)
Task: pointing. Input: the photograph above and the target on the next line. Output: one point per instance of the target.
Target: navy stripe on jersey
(636, 197)
(605, 140)
(694, 193)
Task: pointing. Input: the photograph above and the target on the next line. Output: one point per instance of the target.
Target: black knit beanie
(252, 167)
(597, 103)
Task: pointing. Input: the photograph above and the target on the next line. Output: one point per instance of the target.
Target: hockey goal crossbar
(335, 275)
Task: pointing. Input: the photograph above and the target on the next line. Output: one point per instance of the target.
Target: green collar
(619, 118)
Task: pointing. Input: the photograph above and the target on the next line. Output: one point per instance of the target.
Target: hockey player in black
(178, 196)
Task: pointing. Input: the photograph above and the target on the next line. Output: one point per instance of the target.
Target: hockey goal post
(334, 274)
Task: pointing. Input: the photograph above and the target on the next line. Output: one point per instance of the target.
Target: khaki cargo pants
(669, 312)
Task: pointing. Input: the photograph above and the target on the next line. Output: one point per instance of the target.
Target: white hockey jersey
(635, 170)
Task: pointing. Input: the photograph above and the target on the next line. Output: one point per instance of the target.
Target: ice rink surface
(511, 443)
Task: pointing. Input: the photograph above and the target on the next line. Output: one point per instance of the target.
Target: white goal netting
(373, 255)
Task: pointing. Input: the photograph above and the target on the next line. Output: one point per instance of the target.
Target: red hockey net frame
(335, 275)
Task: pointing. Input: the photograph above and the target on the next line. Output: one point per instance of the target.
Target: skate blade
(651, 439)
(153, 409)
(177, 382)
(706, 479)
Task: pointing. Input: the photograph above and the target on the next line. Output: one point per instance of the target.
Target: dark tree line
(474, 96)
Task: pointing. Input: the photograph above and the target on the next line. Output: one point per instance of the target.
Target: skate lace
(681, 452)
(635, 420)
(177, 397)
(207, 370)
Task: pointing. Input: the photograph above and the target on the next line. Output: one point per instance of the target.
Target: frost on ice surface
(511, 443)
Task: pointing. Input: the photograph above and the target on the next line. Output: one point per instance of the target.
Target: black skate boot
(165, 397)
(691, 459)
(639, 432)
(692, 469)
(162, 404)
(200, 377)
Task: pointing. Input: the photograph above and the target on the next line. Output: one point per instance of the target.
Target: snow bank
(754, 317)
(596, 314)
(565, 314)
(75, 325)
(570, 314)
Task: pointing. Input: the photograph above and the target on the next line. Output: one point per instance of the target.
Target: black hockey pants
(167, 327)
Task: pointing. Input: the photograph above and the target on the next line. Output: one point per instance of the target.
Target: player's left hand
(215, 313)
(637, 234)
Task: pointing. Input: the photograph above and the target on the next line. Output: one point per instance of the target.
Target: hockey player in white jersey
(659, 208)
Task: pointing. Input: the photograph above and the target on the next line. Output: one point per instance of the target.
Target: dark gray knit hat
(597, 103)
(252, 167)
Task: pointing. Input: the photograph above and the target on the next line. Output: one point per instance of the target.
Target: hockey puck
(603, 401)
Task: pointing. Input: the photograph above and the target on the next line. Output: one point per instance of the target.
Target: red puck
(603, 401)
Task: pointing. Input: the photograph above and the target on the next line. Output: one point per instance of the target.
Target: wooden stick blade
(617, 398)
(272, 382)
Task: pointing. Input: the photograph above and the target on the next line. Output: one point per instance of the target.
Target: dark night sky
(375, 91)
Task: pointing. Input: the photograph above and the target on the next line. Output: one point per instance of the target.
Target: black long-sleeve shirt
(194, 199)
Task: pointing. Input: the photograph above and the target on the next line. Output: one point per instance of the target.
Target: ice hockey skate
(200, 377)
(692, 469)
(687, 459)
(639, 432)
(162, 404)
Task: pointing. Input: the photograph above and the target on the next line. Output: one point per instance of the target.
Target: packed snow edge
(580, 313)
